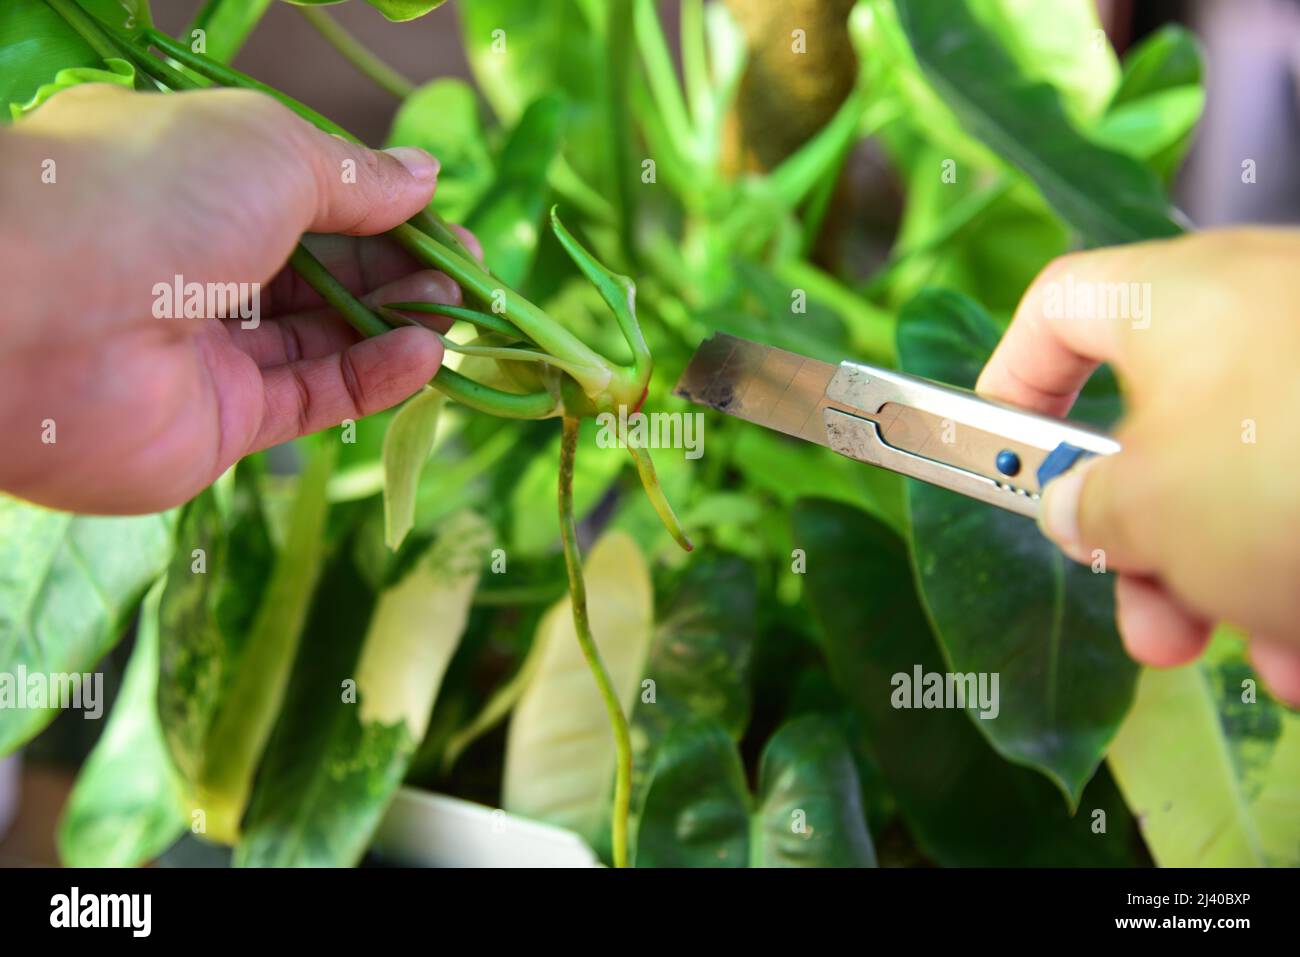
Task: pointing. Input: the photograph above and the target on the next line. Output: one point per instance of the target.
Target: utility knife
(933, 432)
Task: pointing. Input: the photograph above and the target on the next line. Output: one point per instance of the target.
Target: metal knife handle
(1048, 446)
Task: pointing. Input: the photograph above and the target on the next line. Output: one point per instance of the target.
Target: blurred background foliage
(873, 179)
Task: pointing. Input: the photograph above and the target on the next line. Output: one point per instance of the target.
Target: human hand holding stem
(573, 381)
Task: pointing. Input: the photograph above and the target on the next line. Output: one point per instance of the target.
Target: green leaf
(226, 24)
(407, 445)
(987, 235)
(225, 666)
(618, 292)
(1156, 129)
(118, 73)
(697, 810)
(1159, 102)
(442, 118)
(1003, 599)
(1106, 196)
(507, 219)
(699, 660)
(359, 703)
(68, 586)
(559, 764)
(1060, 42)
(1168, 59)
(397, 10)
(35, 44)
(131, 17)
(402, 10)
(964, 805)
(128, 803)
(1241, 807)
(810, 810)
(521, 51)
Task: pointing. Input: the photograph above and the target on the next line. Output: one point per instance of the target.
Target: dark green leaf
(1107, 196)
(810, 812)
(699, 661)
(963, 803)
(696, 809)
(128, 804)
(1003, 599)
(68, 586)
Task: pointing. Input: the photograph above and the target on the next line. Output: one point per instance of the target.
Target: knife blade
(946, 436)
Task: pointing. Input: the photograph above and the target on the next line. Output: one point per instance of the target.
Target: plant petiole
(582, 627)
(592, 371)
(351, 308)
(483, 320)
(356, 53)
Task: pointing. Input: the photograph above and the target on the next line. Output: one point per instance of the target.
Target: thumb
(1094, 507)
(360, 191)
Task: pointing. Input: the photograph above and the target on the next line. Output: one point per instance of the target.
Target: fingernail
(418, 163)
(1059, 516)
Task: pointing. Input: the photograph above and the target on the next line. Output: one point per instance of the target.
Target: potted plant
(387, 638)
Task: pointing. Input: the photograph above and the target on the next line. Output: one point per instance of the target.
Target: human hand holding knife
(943, 435)
(1196, 513)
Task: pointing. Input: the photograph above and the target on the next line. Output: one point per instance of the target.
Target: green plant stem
(582, 626)
(661, 77)
(356, 53)
(695, 64)
(507, 353)
(483, 320)
(336, 294)
(484, 398)
(86, 27)
(228, 76)
(161, 71)
(430, 240)
(594, 373)
(536, 405)
(227, 25)
(619, 59)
